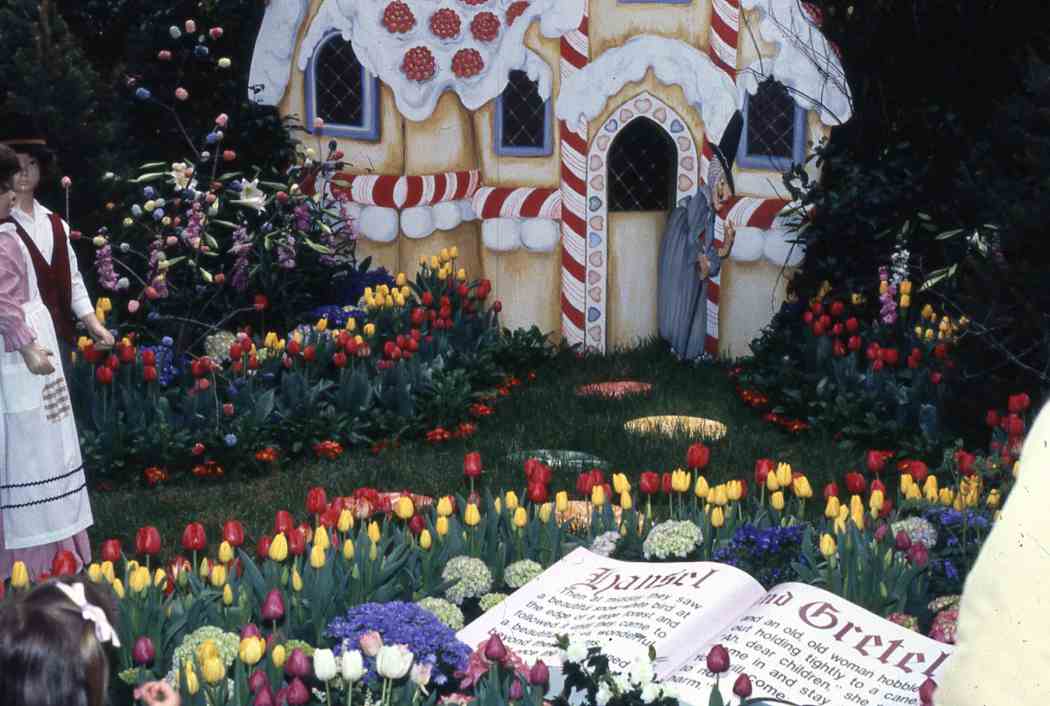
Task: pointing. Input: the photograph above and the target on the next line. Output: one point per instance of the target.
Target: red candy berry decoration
(445, 23)
(484, 26)
(516, 10)
(475, 2)
(398, 17)
(419, 64)
(467, 63)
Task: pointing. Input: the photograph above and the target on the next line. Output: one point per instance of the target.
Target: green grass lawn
(544, 414)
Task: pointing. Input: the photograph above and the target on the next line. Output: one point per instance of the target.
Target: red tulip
(902, 542)
(965, 461)
(889, 356)
(417, 524)
(283, 522)
(147, 540)
(763, 467)
(697, 456)
(831, 490)
(339, 359)
(1014, 425)
(149, 358)
(935, 377)
(854, 343)
(539, 675)
(297, 664)
(516, 691)
(1018, 403)
(598, 477)
(649, 483)
(472, 464)
(992, 418)
(918, 554)
(807, 317)
(852, 325)
(233, 533)
(584, 484)
(876, 460)
(143, 652)
(104, 375)
(665, 483)
(316, 500)
(538, 493)
(330, 517)
(855, 483)
(878, 485)
(296, 541)
(718, 659)
(926, 692)
(297, 693)
(917, 469)
(111, 550)
(197, 449)
(838, 349)
(193, 538)
(495, 650)
(64, 563)
(742, 685)
(817, 308)
(149, 373)
(310, 354)
(263, 548)
(837, 308)
(273, 606)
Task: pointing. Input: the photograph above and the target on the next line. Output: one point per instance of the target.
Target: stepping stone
(614, 389)
(560, 459)
(672, 424)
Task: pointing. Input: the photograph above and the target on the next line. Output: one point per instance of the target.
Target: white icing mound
(274, 46)
(540, 234)
(584, 94)
(417, 221)
(805, 61)
(382, 51)
(780, 251)
(501, 234)
(447, 215)
(378, 223)
(748, 244)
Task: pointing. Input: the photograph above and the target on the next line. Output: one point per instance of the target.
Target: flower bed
(374, 569)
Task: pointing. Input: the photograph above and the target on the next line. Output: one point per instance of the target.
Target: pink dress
(44, 506)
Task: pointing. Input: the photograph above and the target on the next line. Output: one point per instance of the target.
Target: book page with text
(809, 646)
(622, 607)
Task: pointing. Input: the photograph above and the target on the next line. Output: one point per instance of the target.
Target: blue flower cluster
(431, 641)
(765, 553)
(168, 367)
(951, 519)
(338, 315)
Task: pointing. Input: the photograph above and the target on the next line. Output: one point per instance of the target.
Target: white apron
(43, 490)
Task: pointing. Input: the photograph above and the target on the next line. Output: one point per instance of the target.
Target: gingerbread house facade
(548, 140)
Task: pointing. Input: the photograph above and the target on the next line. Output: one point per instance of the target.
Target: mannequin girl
(44, 506)
(58, 276)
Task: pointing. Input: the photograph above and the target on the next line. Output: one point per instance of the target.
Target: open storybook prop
(796, 642)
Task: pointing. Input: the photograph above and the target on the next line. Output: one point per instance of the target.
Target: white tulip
(352, 666)
(393, 661)
(324, 665)
(576, 651)
(603, 695)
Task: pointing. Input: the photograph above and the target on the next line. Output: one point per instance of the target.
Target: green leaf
(716, 698)
(224, 223)
(949, 234)
(324, 250)
(151, 176)
(153, 165)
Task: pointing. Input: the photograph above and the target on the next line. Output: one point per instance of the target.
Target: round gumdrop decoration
(419, 64)
(516, 10)
(398, 17)
(467, 63)
(484, 26)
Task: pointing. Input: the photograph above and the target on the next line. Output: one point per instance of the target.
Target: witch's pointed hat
(725, 150)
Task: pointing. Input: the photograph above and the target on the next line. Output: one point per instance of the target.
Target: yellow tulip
(139, 580)
(104, 304)
(905, 301)
(444, 255)
(346, 521)
(831, 509)
(471, 516)
(959, 502)
(620, 483)
(461, 274)
(214, 670)
(205, 568)
(406, 293)
(351, 325)
(279, 547)
(401, 279)
(701, 489)
(317, 556)
(132, 566)
(734, 490)
(404, 508)
(906, 482)
(192, 683)
(271, 340)
(626, 501)
(297, 580)
(107, 571)
(876, 501)
(425, 541)
(946, 496)
(251, 650)
(225, 553)
(521, 518)
(544, 512)
(914, 493)
(321, 325)
(929, 488)
(855, 504)
(777, 500)
(679, 481)
(802, 488)
(858, 518)
(434, 264)
(719, 496)
(772, 483)
(993, 499)
(827, 546)
(227, 595)
(597, 495)
(840, 525)
(511, 500)
(904, 287)
(206, 650)
(561, 501)
(321, 538)
(160, 577)
(441, 526)
(784, 474)
(95, 573)
(118, 586)
(373, 552)
(218, 575)
(369, 329)
(373, 532)
(348, 550)
(717, 517)
(444, 506)
(278, 656)
(927, 312)
(453, 252)
(497, 505)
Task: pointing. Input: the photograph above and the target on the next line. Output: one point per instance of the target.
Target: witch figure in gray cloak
(688, 257)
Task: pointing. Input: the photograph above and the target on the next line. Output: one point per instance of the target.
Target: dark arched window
(523, 119)
(642, 161)
(774, 129)
(341, 92)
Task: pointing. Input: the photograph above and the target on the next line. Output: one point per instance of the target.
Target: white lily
(251, 196)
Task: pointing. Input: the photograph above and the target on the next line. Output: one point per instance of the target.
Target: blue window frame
(774, 135)
(341, 92)
(524, 121)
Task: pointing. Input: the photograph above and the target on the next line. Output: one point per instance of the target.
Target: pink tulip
(215, 32)
(133, 306)
(273, 606)
(297, 694)
(370, 643)
(250, 630)
(258, 681)
(718, 659)
(495, 650)
(143, 652)
(297, 664)
(742, 686)
(516, 691)
(539, 675)
(264, 697)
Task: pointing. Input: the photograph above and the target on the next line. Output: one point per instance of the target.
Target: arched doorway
(641, 163)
